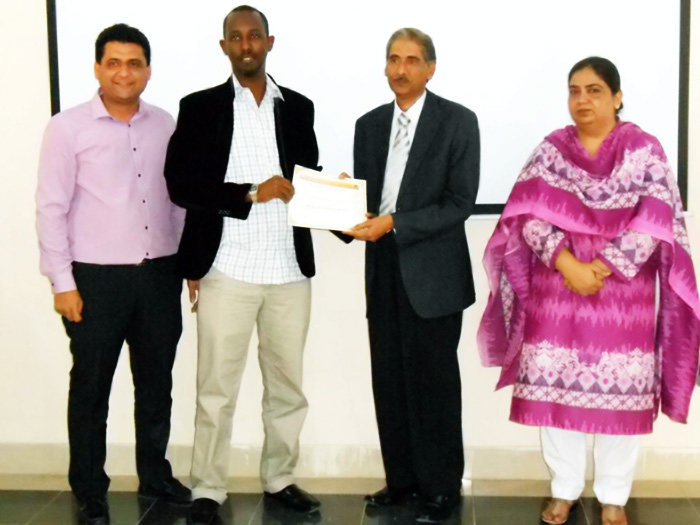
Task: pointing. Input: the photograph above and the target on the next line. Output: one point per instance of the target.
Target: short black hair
(244, 7)
(125, 34)
(604, 68)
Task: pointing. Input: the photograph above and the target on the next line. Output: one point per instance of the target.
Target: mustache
(399, 78)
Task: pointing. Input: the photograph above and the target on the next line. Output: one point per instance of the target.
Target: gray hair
(418, 36)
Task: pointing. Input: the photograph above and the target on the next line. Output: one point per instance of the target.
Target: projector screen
(507, 60)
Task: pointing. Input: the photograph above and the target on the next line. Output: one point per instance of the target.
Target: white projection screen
(507, 60)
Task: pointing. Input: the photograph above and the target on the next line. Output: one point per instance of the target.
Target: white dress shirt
(413, 113)
(260, 249)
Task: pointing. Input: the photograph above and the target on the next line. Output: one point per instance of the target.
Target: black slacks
(139, 304)
(416, 383)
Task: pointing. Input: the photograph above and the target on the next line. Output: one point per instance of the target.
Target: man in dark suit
(420, 158)
(230, 164)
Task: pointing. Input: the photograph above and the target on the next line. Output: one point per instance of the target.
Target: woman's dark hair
(604, 69)
(126, 35)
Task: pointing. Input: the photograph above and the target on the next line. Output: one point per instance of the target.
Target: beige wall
(339, 438)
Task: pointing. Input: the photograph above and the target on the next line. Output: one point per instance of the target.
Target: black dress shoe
(436, 509)
(295, 498)
(203, 511)
(389, 497)
(170, 490)
(94, 511)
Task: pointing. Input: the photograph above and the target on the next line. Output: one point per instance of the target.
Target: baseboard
(345, 462)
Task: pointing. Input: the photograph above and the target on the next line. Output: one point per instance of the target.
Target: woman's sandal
(557, 511)
(614, 515)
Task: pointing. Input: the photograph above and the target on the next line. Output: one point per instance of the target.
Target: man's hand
(372, 229)
(276, 187)
(193, 288)
(581, 278)
(69, 305)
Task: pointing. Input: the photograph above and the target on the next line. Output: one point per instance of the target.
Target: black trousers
(140, 305)
(416, 383)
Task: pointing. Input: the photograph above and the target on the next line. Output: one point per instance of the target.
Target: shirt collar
(413, 113)
(100, 111)
(271, 88)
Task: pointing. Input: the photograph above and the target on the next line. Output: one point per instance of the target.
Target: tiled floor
(484, 503)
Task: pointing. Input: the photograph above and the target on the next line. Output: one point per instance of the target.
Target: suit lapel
(280, 122)
(381, 138)
(427, 129)
(224, 133)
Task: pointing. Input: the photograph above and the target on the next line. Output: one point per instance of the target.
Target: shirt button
(144, 201)
(146, 227)
(139, 175)
(134, 149)
(147, 254)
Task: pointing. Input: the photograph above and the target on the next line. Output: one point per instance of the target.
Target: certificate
(326, 203)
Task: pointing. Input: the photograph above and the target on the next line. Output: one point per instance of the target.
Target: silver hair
(418, 36)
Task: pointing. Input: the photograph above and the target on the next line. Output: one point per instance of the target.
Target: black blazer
(436, 196)
(196, 163)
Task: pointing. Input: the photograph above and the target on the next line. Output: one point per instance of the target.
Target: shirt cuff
(555, 243)
(621, 273)
(63, 283)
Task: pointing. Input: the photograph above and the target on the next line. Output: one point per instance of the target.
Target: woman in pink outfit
(593, 220)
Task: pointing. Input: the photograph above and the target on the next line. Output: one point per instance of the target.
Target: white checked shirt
(413, 113)
(260, 249)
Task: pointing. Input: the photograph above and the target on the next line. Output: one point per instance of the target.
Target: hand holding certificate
(326, 203)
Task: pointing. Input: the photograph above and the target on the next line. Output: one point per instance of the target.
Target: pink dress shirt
(102, 197)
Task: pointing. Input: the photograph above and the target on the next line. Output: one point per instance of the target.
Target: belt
(147, 262)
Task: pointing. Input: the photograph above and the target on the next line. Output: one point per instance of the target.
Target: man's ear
(431, 68)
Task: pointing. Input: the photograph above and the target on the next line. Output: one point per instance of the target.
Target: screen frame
(481, 208)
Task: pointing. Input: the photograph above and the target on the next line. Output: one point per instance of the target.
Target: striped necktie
(396, 165)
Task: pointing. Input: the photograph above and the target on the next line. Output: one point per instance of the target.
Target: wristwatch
(253, 192)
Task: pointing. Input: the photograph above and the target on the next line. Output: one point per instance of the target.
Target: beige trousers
(227, 313)
(615, 460)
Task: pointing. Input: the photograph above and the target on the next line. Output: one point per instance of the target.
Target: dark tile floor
(58, 508)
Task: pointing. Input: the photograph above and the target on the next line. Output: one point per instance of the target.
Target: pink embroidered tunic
(603, 363)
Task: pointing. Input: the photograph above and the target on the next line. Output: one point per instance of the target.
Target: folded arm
(627, 253)
(545, 240)
(550, 245)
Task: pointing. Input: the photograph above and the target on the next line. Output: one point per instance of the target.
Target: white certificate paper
(326, 203)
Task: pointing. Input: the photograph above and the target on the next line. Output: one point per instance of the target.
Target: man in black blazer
(420, 157)
(230, 164)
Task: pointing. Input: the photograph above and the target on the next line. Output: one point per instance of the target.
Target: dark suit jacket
(436, 196)
(196, 162)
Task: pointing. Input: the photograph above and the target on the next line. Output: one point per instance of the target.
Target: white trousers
(615, 459)
(227, 313)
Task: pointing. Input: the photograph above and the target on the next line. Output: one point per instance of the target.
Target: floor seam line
(257, 507)
(44, 508)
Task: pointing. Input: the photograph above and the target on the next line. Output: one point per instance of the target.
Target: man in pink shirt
(108, 233)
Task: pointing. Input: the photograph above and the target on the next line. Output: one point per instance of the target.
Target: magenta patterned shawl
(627, 186)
